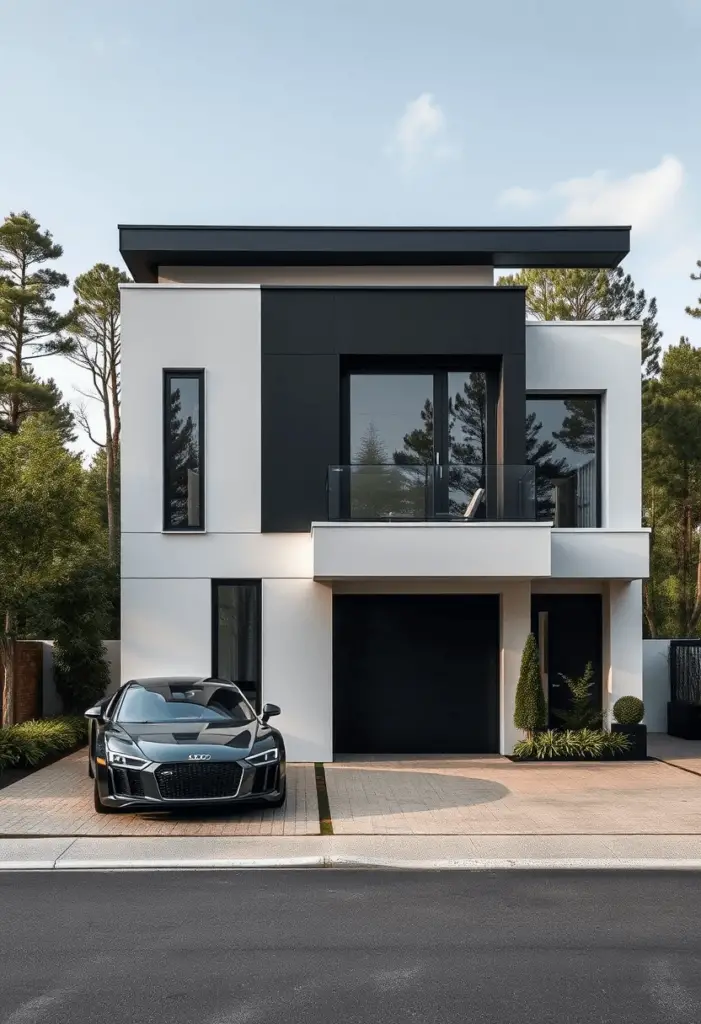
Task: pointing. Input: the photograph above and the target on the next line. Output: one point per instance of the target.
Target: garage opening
(416, 674)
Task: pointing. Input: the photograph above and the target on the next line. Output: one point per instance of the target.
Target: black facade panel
(308, 334)
(300, 438)
(394, 321)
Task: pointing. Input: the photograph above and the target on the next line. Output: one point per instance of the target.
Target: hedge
(26, 745)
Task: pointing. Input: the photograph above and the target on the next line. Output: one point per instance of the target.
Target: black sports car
(173, 742)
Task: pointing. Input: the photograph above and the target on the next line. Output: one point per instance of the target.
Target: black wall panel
(308, 332)
(300, 438)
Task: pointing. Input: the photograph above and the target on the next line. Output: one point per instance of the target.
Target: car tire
(100, 808)
(91, 770)
(279, 800)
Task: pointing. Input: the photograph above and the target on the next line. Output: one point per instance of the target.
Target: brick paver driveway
(417, 796)
(58, 801)
(494, 796)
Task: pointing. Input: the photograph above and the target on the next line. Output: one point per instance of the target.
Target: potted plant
(530, 711)
(628, 714)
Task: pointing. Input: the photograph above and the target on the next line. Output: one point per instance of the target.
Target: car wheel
(279, 800)
(91, 770)
(100, 808)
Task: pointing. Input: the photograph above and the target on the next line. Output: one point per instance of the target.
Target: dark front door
(416, 674)
(568, 628)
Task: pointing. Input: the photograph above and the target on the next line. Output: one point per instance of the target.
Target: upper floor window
(183, 450)
(562, 442)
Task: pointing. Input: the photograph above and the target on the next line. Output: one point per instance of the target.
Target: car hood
(174, 741)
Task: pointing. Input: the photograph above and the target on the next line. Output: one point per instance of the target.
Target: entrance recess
(568, 628)
(416, 674)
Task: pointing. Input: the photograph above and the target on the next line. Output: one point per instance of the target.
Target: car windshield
(185, 702)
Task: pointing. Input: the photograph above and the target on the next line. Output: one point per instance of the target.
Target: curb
(340, 861)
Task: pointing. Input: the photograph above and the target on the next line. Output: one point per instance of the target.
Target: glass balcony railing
(410, 492)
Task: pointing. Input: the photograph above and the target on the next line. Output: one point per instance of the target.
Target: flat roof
(146, 247)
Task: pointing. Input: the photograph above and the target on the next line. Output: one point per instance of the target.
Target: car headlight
(126, 760)
(264, 757)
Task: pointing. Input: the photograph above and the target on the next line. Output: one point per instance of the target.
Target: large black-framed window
(183, 449)
(236, 635)
(563, 442)
(423, 421)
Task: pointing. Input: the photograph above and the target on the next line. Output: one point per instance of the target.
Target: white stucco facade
(167, 577)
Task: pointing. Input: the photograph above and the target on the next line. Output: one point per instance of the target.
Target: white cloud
(642, 199)
(421, 133)
(520, 197)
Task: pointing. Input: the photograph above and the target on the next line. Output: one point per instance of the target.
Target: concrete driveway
(393, 796)
(494, 796)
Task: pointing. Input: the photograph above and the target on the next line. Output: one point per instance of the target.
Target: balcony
(425, 521)
(454, 493)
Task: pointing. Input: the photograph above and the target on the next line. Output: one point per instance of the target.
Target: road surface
(306, 947)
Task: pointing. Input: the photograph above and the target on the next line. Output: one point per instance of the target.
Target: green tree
(590, 294)
(530, 711)
(672, 492)
(695, 311)
(30, 327)
(46, 523)
(33, 397)
(96, 333)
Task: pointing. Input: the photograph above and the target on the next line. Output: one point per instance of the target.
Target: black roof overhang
(144, 248)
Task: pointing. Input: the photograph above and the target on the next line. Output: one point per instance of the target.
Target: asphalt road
(308, 947)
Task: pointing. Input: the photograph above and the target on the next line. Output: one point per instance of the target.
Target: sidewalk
(650, 852)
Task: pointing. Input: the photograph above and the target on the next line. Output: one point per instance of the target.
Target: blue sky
(362, 112)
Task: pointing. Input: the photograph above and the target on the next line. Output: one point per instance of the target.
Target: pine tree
(695, 311)
(33, 397)
(29, 325)
(95, 329)
(530, 711)
(590, 294)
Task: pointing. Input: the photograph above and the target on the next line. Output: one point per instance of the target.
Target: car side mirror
(96, 713)
(269, 711)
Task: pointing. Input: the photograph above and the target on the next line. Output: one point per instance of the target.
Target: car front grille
(198, 781)
(127, 782)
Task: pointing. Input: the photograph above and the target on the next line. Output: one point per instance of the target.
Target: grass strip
(322, 798)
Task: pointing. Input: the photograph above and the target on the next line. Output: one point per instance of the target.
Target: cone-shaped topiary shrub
(628, 710)
(530, 712)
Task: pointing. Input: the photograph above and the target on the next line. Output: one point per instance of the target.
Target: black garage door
(416, 674)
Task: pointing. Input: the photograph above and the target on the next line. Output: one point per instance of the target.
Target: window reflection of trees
(566, 486)
(183, 495)
(405, 483)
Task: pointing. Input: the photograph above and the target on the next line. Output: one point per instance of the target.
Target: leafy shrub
(530, 712)
(581, 714)
(575, 743)
(25, 745)
(629, 710)
(81, 673)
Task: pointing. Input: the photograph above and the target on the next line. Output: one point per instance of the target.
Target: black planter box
(637, 737)
(684, 719)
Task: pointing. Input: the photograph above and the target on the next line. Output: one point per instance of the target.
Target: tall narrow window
(183, 450)
(236, 637)
(562, 442)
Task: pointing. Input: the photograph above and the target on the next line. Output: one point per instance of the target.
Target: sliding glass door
(417, 444)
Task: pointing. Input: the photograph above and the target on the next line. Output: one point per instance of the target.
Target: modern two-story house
(354, 478)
